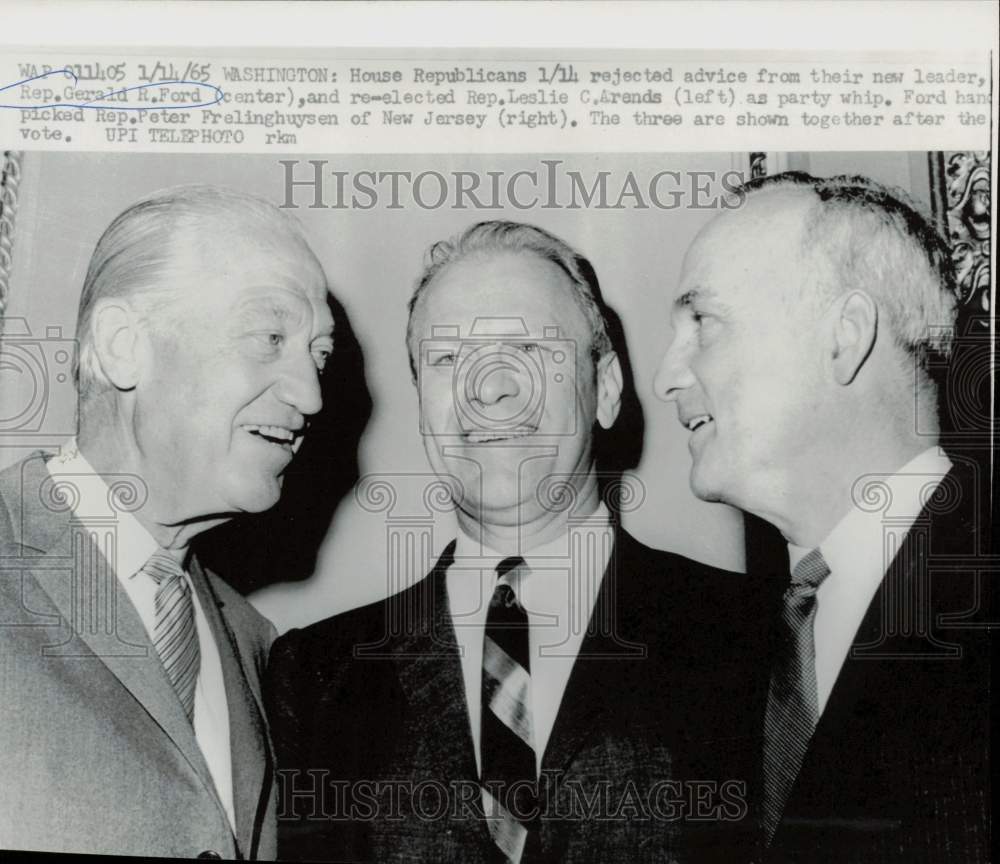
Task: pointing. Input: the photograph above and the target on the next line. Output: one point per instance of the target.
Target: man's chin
(503, 513)
(705, 487)
(257, 498)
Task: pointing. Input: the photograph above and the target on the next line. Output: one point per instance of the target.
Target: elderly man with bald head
(131, 675)
(810, 328)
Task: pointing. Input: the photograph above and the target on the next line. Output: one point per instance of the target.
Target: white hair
(874, 239)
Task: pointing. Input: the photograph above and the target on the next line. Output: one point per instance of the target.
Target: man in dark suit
(132, 715)
(546, 692)
(808, 330)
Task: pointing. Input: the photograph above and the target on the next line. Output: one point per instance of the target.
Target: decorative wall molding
(960, 200)
(10, 179)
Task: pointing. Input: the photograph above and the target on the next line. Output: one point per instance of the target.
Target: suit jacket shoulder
(338, 632)
(21, 508)
(703, 623)
(309, 663)
(665, 582)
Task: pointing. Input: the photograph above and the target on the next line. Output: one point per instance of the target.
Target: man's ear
(609, 389)
(116, 336)
(855, 326)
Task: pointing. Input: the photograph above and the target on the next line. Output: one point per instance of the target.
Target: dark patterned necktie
(792, 701)
(175, 635)
(507, 738)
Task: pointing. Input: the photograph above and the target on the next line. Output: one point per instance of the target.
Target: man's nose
(494, 381)
(674, 373)
(300, 388)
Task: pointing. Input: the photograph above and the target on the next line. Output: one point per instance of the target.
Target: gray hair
(503, 236)
(875, 239)
(135, 257)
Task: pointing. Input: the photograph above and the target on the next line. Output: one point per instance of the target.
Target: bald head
(768, 230)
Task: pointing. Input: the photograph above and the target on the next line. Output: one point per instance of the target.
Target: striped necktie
(175, 635)
(507, 740)
(792, 701)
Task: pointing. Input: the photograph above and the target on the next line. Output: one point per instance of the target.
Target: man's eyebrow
(266, 305)
(686, 299)
(278, 309)
(699, 295)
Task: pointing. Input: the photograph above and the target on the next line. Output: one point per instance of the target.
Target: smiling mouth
(280, 436)
(493, 436)
(697, 422)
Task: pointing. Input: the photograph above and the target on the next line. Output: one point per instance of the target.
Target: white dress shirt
(558, 597)
(858, 552)
(134, 547)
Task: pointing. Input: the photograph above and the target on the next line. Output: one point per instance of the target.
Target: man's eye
(443, 358)
(527, 347)
(271, 339)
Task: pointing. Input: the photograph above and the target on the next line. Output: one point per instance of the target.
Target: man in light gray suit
(130, 675)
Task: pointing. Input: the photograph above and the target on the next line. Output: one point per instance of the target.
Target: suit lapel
(429, 670)
(879, 637)
(597, 671)
(127, 652)
(248, 741)
(98, 617)
(859, 679)
(579, 714)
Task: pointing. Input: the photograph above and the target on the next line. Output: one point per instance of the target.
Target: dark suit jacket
(898, 768)
(376, 759)
(96, 753)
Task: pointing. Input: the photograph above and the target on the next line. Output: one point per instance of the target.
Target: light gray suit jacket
(96, 753)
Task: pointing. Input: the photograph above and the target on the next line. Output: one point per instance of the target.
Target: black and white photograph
(371, 496)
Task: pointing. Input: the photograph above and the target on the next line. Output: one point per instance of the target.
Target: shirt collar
(896, 499)
(473, 552)
(553, 559)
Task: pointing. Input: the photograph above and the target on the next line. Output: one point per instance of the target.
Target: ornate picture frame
(960, 200)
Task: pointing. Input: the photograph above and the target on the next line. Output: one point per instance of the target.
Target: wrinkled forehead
(227, 255)
(506, 294)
